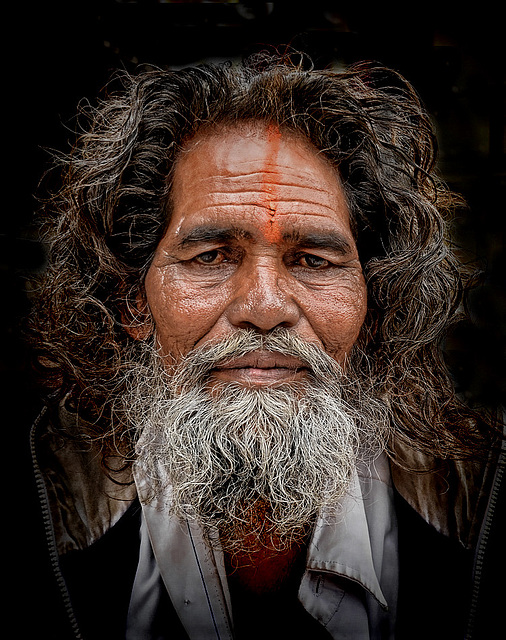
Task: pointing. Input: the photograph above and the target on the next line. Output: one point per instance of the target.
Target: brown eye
(313, 262)
(209, 257)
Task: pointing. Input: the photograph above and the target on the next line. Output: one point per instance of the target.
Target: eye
(311, 261)
(210, 257)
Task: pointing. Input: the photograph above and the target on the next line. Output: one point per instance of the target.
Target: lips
(263, 360)
(260, 368)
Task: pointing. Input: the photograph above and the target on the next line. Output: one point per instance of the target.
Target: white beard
(255, 464)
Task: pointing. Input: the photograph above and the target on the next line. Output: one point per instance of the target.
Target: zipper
(49, 531)
(483, 541)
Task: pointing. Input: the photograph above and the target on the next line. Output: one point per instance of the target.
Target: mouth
(261, 368)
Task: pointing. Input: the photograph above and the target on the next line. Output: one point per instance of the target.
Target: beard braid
(255, 464)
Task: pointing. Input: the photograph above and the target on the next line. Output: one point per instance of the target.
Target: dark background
(54, 57)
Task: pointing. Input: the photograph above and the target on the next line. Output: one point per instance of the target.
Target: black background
(56, 56)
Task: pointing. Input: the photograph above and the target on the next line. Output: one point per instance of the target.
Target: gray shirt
(349, 585)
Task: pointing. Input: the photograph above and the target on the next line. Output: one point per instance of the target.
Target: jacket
(450, 515)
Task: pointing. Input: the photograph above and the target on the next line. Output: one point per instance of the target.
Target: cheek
(181, 316)
(338, 318)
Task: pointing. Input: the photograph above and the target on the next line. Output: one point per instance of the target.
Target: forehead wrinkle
(214, 196)
(260, 183)
(261, 175)
(214, 210)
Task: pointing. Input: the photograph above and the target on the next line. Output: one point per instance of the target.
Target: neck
(259, 558)
(265, 572)
(268, 581)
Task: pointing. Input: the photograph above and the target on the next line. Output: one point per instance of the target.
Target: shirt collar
(343, 542)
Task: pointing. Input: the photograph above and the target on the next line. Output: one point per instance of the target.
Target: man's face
(259, 238)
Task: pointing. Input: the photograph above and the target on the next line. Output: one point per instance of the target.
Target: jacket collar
(451, 495)
(84, 501)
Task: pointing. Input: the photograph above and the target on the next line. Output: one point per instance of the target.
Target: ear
(136, 317)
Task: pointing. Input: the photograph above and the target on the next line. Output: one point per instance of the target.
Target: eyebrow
(314, 240)
(208, 233)
(320, 240)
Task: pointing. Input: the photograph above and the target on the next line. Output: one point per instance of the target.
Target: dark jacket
(451, 554)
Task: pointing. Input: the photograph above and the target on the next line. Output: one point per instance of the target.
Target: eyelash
(228, 258)
(305, 256)
(198, 258)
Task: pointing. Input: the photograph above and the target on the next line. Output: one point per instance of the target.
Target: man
(251, 431)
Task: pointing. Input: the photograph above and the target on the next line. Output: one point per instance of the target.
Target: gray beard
(256, 465)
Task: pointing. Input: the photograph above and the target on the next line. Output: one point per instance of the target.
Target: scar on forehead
(270, 180)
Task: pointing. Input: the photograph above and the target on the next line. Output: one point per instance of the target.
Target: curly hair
(111, 212)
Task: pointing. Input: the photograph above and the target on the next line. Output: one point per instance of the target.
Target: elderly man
(250, 430)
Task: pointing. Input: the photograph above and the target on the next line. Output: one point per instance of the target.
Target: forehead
(236, 149)
(254, 170)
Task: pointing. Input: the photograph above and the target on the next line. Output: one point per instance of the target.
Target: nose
(263, 302)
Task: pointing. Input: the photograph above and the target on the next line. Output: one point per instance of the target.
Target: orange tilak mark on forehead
(270, 181)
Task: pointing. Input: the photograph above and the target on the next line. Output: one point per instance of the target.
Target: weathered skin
(259, 237)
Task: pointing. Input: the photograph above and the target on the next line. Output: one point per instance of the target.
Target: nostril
(263, 312)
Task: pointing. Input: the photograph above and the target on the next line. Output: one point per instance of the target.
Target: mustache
(198, 363)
